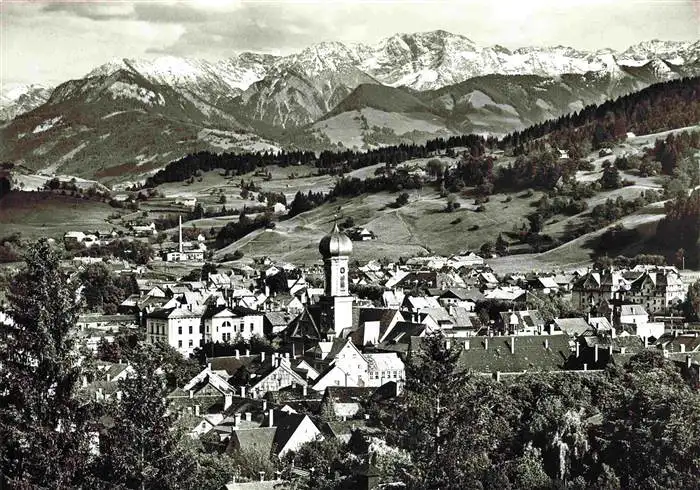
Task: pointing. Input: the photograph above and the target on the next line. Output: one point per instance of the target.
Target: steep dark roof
(403, 331)
(259, 439)
(382, 315)
(243, 311)
(572, 326)
(530, 353)
(230, 364)
(340, 428)
(286, 425)
(278, 318)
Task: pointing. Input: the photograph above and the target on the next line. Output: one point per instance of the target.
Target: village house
(593, 288)
(514, 354)
(657, 290)
(346, 365)
(178, 325)
(279, 433)
(223, 324)
(144, 230)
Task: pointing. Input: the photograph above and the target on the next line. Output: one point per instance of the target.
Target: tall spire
(180, 232)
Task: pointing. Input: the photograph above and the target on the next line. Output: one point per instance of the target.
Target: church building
(332, 316)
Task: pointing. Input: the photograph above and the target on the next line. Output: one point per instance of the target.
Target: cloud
(185, 13)
(65, 39)
(94, 11)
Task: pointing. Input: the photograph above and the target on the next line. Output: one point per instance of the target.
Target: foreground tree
(692, 302)
(141, 447)
(43, 424)
(447, 421)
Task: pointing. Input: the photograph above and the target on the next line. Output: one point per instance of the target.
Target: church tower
(336, 302)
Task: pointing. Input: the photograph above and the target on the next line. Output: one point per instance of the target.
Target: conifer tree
(43, 424)
(141, 448)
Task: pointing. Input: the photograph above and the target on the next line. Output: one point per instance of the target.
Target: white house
(179, 327)
(222, 324)
(347, 366)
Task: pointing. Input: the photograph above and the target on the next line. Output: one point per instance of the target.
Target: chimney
(688, 361)
(448, 344)
(247, 352)
(546, 343)
(271, 419)
(466, 344)
(578, 349)
(109, 377)
(238, 354)
(304, 391)
(196, 410)
(486, 343)
(498, 376)
(191, 394)
(623, 350)
(682, 348)
(242, 391)
(179, 227)
(585, 366)
(262, 356)
(262, 475)
(228, 401)
(646, 342)
(512, 345)
(237, 419)
(248, 417)
(264, 405)
(595, 357)
(209, 366)
(610, 350)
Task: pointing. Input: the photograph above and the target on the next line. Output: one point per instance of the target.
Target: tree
(501, 245)
(611, 178)
(487, 249)
(402, 200)
(198, 212)
(141, 449)
(692, 302)
(433, 421)
(103, 290)
(43, 423)
(435, 167)
(207, 268)
(536, 222)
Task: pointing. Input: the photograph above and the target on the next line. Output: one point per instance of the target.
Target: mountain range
(130, 116)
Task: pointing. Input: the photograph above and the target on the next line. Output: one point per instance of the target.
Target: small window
(179, 330)
(190, 329)
(252, 325)
(179, 344)
(191, 343)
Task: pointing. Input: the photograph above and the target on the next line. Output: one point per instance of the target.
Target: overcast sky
(55, 41)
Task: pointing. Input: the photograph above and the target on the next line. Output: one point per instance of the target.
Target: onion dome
(334, 244)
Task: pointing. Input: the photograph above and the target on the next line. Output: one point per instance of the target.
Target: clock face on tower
(342, 270)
